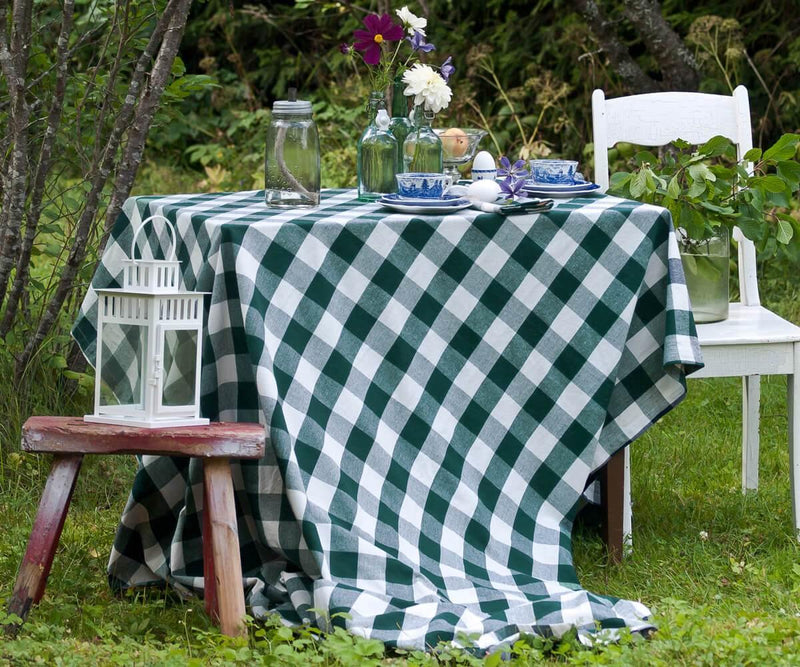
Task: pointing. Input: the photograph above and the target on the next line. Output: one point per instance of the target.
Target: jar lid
(291, 107)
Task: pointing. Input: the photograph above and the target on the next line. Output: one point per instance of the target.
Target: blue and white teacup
(423, 185)
(557, 172)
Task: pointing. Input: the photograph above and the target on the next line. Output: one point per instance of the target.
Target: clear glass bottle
(400, 124)
(377, 153)
(292, 164)
(422, 150)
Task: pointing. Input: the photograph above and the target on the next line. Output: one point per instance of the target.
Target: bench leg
(53, 507)
(612, 495)
(227, 564)
(209, 567)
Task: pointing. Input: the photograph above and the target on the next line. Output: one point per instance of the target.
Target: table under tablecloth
(436, 390)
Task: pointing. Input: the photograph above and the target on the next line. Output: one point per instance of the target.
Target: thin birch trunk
(14, 63)
(42, 170)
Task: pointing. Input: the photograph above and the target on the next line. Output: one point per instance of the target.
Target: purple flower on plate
(380, 29)
(517, 170)
(447, 68)
(418, 43)
(511, 186)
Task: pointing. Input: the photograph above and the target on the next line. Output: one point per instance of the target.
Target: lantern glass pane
(180, 367)
(123, 357)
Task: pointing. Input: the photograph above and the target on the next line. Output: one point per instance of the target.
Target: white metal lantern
(149, 346)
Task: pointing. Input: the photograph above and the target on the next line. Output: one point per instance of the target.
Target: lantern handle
(171, 228)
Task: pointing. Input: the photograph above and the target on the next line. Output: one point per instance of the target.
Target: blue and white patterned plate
(444, 200)
(558, 191)
(431, 206)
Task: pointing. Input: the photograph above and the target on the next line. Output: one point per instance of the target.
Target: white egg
(484, 190)
(483, 160)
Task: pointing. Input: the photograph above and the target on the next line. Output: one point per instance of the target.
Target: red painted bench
(70, 438)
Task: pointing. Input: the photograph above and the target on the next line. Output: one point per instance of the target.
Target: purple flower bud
(418, 43)
(447, 68)
(344, 47)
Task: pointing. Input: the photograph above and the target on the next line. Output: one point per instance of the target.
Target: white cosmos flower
(427, 86)
(411, 22)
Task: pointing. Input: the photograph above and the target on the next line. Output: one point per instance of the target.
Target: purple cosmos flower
(518, 170)
(379, 29)
(447, 68)
(418, 43)
(511, 186)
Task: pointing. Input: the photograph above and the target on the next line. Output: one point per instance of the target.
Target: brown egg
(454, 142)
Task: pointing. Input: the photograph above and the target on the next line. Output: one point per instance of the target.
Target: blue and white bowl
(561, 172)
(422, 185)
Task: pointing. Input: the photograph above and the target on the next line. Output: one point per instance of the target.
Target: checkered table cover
(436, 390)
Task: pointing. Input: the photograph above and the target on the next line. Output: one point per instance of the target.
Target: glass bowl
(458, 147)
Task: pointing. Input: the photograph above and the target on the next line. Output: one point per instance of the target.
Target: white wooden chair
(753, 341)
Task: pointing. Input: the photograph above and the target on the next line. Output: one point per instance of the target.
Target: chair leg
(793, 396)
(47, 527)
(612, 500)
(221, 510)
(751, 398)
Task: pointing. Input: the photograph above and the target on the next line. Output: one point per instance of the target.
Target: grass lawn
(719, 569)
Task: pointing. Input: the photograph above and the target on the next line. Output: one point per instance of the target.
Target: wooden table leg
(221, 510)
(53, 507)
(612, 479)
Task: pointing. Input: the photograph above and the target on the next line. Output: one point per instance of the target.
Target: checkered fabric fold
(436, 390)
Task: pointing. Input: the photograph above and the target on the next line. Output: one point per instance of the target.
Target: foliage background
(525, 70)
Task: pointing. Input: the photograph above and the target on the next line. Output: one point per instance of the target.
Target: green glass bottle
(422, 150)
(400, 125)
(377, 153)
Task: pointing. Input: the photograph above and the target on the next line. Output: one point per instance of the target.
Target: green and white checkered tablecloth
(436, 389)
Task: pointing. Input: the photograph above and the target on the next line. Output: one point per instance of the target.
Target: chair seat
(748, 325)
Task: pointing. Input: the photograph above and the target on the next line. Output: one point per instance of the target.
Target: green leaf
(715, 146)
(785, 231)
(701, 171)
(697, 188)
(619, 179)
(645, 156)
(674, 188)
(639, 184)
(750, 227)
(789, 170)
(783, 149)
(753, 155)
(770, 183)
(722, 210)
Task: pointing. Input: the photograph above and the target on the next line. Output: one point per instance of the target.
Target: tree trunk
(42, 170)
(678, 66)
(133, 121)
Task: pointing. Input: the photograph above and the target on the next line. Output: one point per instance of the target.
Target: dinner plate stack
(558, 190)
(444, 204)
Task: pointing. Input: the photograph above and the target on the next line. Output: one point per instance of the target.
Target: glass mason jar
(706, 266)
(292, 164)
(377, 153)
(400, 124)
(422, 150)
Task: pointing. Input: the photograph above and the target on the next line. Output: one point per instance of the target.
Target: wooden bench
(70, 438)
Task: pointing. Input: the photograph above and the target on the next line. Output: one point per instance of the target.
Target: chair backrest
(656, 119)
